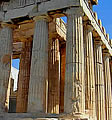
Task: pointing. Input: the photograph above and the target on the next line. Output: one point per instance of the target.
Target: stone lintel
(17, 13)
(53, 6)
(3, 24)
(37, 9)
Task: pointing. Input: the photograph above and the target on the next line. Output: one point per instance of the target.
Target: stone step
(26, 116)
(39, 116)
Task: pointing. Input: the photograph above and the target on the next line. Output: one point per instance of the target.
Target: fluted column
(111, 69)
(5, 62)
(24, 77)
(111, 77)
(89, 71)
(62, 77)
(54, 77)
(99, 82)
(39, 67)
(74, 98)
(108, 98)
(111, 73)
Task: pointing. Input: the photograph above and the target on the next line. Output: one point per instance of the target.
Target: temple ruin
(65, 68)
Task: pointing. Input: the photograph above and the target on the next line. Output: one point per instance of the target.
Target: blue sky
(15, 63)
(104, 11)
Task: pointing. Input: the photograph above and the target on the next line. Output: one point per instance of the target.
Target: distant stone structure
(65, 69)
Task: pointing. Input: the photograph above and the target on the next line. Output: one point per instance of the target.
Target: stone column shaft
(108, 98)
(54, 77)
(62, 79)
(24, 77)
(74, 99)
(99, 83)
(111, 75)
(89, 72)
(39, 68)
(5, 63)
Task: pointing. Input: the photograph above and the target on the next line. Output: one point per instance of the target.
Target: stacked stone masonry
(65, 70)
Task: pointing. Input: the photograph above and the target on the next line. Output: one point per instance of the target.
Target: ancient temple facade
(65, 69)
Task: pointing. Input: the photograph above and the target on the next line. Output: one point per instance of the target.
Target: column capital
(106, 53)
(3, 24)
(75, 11)
(42, 17)
(98, 40)
(88, 25)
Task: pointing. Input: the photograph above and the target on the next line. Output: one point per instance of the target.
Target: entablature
(16, 4)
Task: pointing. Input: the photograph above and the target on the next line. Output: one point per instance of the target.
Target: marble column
(111, 76)
(5, 62)
(99, 81)
(108, 98)
(54, 77)
(24, 77)
(39, 67)
(74, 98)
(62, 77)
(89, 71)
(111, 73)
